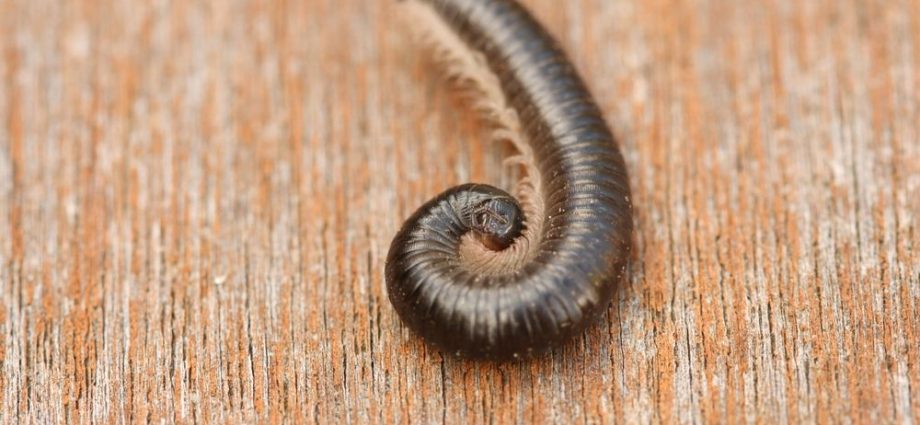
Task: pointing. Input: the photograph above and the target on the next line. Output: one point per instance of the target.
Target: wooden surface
(196, 200)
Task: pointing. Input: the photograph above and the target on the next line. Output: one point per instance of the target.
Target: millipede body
(479, 273)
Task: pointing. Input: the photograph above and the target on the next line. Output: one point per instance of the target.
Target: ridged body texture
(586, 233)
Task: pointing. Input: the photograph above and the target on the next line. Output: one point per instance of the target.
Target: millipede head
(497, 222)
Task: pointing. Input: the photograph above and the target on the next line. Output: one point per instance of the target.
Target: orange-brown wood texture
(197, 197)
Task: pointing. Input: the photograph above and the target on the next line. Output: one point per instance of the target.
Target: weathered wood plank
(196, 199)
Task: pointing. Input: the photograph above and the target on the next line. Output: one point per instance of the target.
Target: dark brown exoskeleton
(582, 228)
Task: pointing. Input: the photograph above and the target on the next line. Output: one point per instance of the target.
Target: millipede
(478, 272)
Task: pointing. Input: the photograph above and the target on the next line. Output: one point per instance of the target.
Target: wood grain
(196, 199)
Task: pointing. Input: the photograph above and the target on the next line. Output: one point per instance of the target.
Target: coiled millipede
(475, 271)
